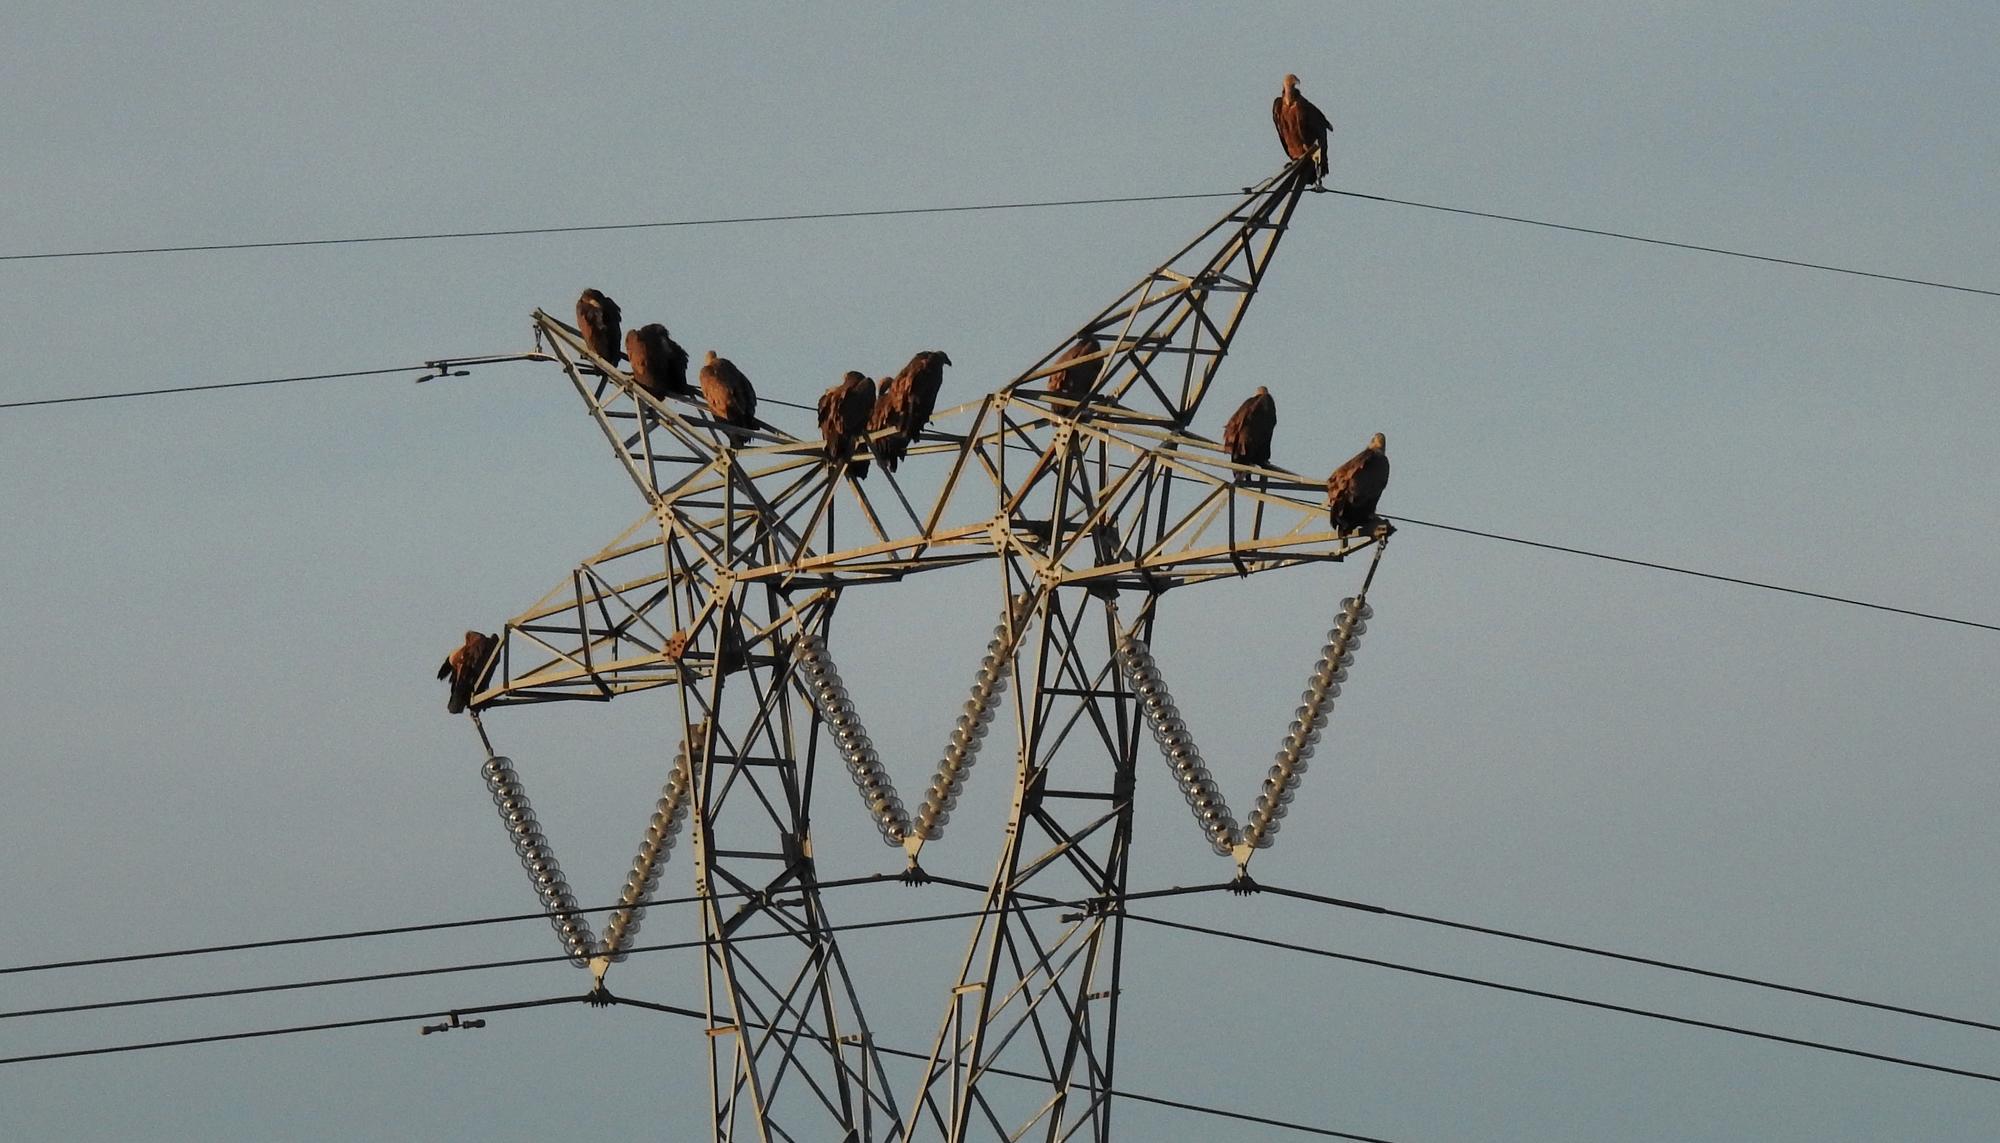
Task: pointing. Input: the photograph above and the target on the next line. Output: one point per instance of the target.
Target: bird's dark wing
(1235, 431)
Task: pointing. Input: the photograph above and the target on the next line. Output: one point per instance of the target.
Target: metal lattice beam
(1093, 504)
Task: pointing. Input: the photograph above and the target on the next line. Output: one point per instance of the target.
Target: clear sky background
(217, 716)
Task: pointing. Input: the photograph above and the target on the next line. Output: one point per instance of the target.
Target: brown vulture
(1302, 128)
(905, 404)
(463, 667)
(730, 395)
(1247, 435)
(597, 320)
(659, 364)
(844, 410)
(1076, 380)
(1355, 487)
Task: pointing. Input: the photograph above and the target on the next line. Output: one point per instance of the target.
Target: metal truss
(1093, 504)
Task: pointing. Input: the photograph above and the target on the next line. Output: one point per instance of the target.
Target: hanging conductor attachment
(451, 1024)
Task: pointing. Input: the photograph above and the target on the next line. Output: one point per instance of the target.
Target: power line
(1699, 574)
(509, 918)
(351, 934)
(1668, 242)
(1603, 1005)
(400, 930)
(740, 220)
(523, 962)
(813, 216)
(207, 388)
(289, 1031)
(1629, 958)
(1120, 1093)
(1398, 519)
(1274, 890)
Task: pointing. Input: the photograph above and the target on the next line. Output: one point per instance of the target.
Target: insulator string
(836, 708)
(511, 799)
(1184, 758)
(654, 848)
(829, 695)
(1295, 750)
(1204, 797)
(961, 750)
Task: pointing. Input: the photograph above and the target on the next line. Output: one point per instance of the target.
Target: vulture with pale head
(1076, 380)
(1247, 435)
(729, 395)
(1302, 128)
(597, 320)
(905, 403)
(844, 410)
(659, 364)
(1356, 487)
(464, 666)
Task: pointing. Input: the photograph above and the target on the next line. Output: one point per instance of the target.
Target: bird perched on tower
(905, 403)
(1247, 434)
(1076, 380)
(464, 666)
(597, 318)
(729, 395)
(1302, 128)
(659, 364)
(844, 411)
(1356, 487)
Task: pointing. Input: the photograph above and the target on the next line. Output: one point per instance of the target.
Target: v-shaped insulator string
(582, 945)
(539, 860)
(1295, 750)
(821, 680)
(661, 830)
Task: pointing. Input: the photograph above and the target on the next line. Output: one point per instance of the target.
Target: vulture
(905, 404)
(659, 364)
(463, 667)
(729, 395)
(1247, 435)
(1355, 487)
(1302, 128)
(844, 410)
(1076, 380)
(597, 320)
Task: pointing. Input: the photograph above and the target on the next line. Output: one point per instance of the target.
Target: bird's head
(1379, 443)
(855, 378)
(1262, 391)
(710, 359)
(1291, 84)
(941, 357)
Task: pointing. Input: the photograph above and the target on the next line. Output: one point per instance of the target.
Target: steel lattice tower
(1092, 506)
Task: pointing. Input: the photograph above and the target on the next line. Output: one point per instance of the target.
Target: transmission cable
(1607, 1006)
(1120, 1093)
(1668, 242)
(554, 958)
(1699, 574)
(739, 220)
(974, 208)
(291, 1030)
(208, 388)
(349, 935)
(1398, 519)
(1629, 958)
(399, 930)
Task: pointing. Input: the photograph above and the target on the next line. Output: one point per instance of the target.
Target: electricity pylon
(1093, 503)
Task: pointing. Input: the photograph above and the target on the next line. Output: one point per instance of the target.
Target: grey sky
(225, 609)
